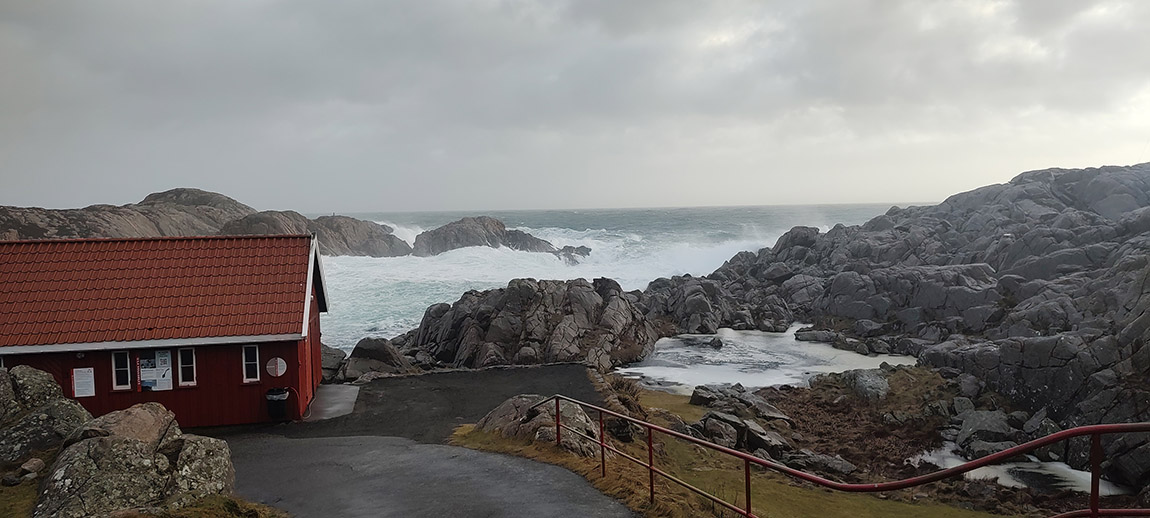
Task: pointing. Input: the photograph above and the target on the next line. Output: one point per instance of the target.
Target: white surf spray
(1041, 475)
(753, 358)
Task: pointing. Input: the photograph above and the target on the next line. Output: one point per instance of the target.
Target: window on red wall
(187, 359)
(251, 363)
(121, 371)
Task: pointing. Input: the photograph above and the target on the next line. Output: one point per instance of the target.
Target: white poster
(84, 382)
(156, 370)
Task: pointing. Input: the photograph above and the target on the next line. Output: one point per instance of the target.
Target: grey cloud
(515, 104)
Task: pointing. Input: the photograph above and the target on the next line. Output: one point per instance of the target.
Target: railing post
(651, 463)
(747, 476)
(558, 428)
(602, 447)
(1095, 472)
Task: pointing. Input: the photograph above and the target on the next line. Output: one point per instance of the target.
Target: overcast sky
(427, 105)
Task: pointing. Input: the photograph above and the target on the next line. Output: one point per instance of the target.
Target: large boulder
(43, 428)
(375, 355)
(9, 405)
(515, 418)
(477, 231)
(132, 459)
(34, 387)
(556, 321)
(149, 423)
(868, 384)
(331, 360)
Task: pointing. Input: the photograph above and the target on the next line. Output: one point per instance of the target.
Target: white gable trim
(147, 344)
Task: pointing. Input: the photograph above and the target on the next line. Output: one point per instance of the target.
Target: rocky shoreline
(193, 212)
(1035, 288)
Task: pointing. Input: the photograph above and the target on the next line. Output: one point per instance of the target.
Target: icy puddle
(752, 358)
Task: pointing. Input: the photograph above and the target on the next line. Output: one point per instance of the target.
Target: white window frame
(1, 362)
(127, 367)
(244, 363)
(180, 366)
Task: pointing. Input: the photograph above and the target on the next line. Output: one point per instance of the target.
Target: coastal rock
(477, 231)
(336, 235)
(561, 321)
(131, 459)
(149, 423)
(985, 425)
(514, 418)
(9, 405)
(331, 360)
(178, 212)
(43, 428)
(33, 387)
(807, 460)
(374, 355)
(1037, 289)
(736, 400)
(870, 385)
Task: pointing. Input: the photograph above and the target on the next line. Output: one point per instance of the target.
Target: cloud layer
(470, 105)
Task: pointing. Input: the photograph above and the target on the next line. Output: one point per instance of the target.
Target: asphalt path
(387, 457)
(367, 477)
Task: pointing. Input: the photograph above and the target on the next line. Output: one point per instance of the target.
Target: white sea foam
(404, 232)
(753, 358)
(387, 296)
(1043, 475)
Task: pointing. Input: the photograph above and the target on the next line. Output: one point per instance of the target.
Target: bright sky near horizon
(403, 105)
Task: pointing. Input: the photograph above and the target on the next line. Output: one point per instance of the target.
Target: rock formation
(178, 212)
(373, 355)
(192, 212)
(531, 322)
(477, 231)
(337, 235)
(1036, 287)
(34, 414)
(132, 459)
(514, 418)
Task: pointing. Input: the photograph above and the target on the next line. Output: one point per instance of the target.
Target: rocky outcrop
(132, 459)
(337, 235)
(531, 322)
(192, 212)
(331, 361)
(515, 418)
(178, 212)
(477, 231)
(1036, 288)
(374, 355)
(36, 415)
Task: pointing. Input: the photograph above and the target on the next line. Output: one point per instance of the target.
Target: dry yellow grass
(773, 495)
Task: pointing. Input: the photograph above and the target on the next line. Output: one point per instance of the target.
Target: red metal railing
(1095, 432)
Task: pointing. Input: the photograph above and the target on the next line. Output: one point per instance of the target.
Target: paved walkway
(368, 477)
(386, 458)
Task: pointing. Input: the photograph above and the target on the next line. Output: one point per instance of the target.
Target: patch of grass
(675, 403)
(774, 495)
(18, 500)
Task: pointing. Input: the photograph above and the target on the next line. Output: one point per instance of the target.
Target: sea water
(385, 297)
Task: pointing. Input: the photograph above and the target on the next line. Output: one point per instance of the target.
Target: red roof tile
(105, 290)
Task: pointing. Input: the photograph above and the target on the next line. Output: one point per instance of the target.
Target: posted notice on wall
(84, 382)
(156, 370)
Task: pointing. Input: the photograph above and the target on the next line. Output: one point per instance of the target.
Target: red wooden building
(204, 325)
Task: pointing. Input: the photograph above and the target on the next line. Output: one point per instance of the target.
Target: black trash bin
(277, 404)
